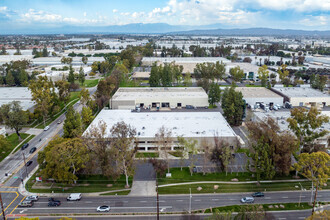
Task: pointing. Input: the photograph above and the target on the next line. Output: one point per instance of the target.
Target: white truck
(74, 197)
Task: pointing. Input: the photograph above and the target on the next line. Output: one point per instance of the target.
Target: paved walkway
(144, 181)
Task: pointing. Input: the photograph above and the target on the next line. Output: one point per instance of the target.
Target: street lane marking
(302, 196)
(88, 202)
(58, 207)
(17, 205)
(319, 196)
(232, 199)
(281, 218)
(267, 197)
(301, 217)
(285, 197)
(215, 199)
(17, 195)
(143, 201)
(179, 200)
(197, 200)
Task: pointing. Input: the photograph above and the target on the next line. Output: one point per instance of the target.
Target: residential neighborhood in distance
(168, 109)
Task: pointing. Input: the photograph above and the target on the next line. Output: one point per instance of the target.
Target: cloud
(297, 5)
(322, 20)
(46, 17)
(114, 10)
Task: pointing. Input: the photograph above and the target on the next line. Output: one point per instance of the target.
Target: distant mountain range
(163, 28)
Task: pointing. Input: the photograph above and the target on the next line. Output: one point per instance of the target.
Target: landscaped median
(15, 143)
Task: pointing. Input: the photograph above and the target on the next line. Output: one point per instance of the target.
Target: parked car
(189, 107)
(26, 145)
(46, 128)
(59, 122)
(258, 194)
(54, 203)
(33, 149)
(247, 200)
(29, 163)
(51, 199)
(26, 203)
(103, 208)
(74, 197)
(32, 198)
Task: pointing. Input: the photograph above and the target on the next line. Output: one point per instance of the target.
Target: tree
(315, 167)
(86, 116)
(283, 73)
(3, 51)
(13, 116)
(10, 79)
(105, 89)
(233, 106)
(122, 142)
(321, 215)
(221, 154)
(72, 124)
(187, 80)
(263, 75)
(220, 70)
(280, 145)
(237, 74)
(305, 125)
(71, 75)
(214, 94)
(217, 215)
(206, 147)
(81, 76)
(85, 98)
(318, 81)
(4, 146)
(249, 212)
(190, 149)
(163, 143)
(263, 165)
(23, 78)
(43, 93)
(84, 59)
(62, 159)
(63, 90)
(45, 52)
(160, 166)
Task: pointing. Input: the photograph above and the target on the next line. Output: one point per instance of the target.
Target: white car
(247, 200)
(46, 128)
(32, 198)
(103, 208)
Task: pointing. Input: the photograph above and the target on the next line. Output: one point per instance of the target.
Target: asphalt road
(168, 203)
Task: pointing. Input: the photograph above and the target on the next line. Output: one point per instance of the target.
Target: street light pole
(190, 201)
(157, 198)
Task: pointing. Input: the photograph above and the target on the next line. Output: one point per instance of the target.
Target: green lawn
(287, 206)
(73, 96)
(27, 140)
(13, 140)
(232, 188)
(85, 184)
(176, 153)
(146, 154)
(120, 193)
(91, 82)
(179, 176)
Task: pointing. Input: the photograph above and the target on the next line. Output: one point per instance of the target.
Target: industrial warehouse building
(281, 119)
(21, 94)
(255, 95)
(158, 98)
(303, 96)
(188, 63)
(191, 125)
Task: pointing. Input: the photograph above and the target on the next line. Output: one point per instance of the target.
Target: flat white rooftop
(186, 124)
(186, 59)
(22, 94)
(300, 92)
(282, 116)
(133, 93)
(257, 92)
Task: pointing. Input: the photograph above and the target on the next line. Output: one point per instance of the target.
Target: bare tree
(122, 145)
(163, 143)
(221, 154)
(205, 145)
(191, 150)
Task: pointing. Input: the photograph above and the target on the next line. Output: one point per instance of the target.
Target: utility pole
(3, 211)
(25, 165)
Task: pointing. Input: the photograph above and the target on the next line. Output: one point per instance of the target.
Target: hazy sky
(295, 14)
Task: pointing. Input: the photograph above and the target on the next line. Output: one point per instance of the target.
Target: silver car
(247, 200)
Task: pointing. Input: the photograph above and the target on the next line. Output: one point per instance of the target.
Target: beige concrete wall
(295, 101)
